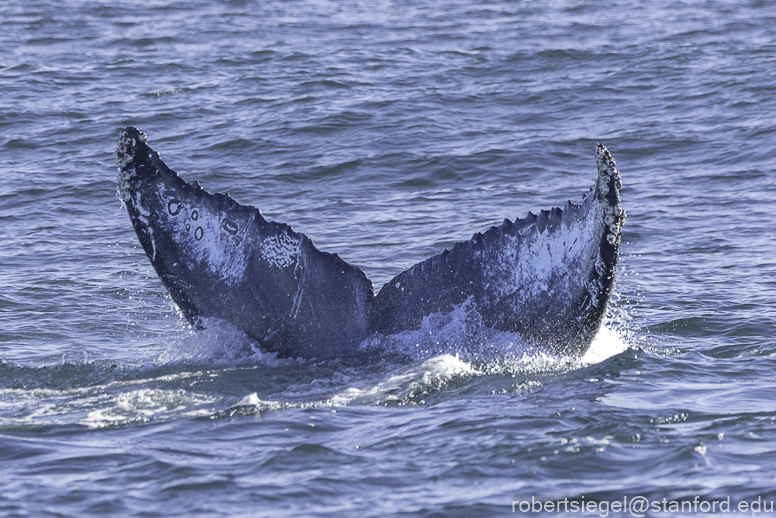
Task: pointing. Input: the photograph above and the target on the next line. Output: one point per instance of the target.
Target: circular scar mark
(194, 215)
(198, 233)
(174, 207)
(229, 226)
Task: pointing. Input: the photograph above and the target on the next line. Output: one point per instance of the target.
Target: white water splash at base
(606, 344)
(219, 344)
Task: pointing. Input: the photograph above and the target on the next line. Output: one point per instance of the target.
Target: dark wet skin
(221, 259)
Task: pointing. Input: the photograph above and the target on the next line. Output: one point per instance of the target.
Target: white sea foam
(252, 401)
(220, 343)
(222, 348)
(606, 344)
(145, 404)
(459, 332)
(107, 404)
(409, 386)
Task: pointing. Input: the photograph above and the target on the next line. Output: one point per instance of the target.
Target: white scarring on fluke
(281, 250)
(201, 231)
(549, 278)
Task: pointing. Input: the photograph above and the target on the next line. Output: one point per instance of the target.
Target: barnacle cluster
(609, 183)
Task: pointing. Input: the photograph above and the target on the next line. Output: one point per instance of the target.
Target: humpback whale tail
(547, 277)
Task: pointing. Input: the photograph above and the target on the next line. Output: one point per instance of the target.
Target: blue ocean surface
(387, 131)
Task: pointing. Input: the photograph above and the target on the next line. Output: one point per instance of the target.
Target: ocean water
(386, 131)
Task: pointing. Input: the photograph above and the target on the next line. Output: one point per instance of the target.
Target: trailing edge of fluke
(547, 277)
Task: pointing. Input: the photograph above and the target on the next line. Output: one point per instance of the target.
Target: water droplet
(198, 233)
(194, 215)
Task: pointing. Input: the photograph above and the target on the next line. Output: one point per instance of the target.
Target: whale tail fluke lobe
(547, 277)
(221, 259)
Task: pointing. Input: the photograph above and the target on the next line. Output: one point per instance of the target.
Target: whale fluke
(547, 277)
(221, 259)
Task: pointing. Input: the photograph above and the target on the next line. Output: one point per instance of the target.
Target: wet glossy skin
(546, 277)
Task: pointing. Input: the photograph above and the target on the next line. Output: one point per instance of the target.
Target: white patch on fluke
(200, 234)
(550, 264)
(535, 263)
(281, 250)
